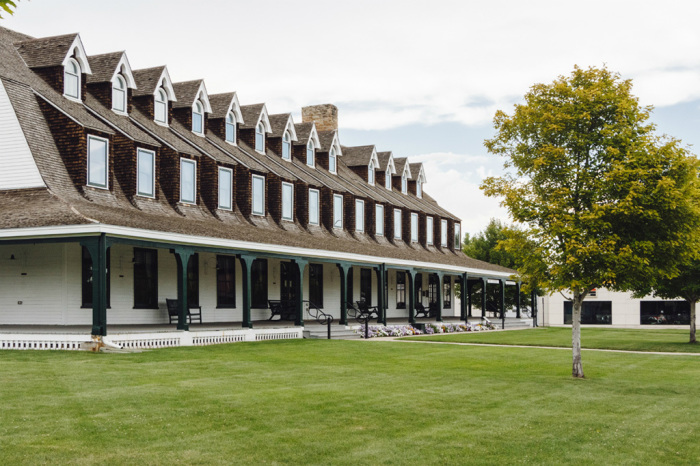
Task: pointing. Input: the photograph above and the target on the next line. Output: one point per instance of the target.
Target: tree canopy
(605, 201)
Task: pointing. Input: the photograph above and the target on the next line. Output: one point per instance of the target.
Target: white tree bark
(577, 369)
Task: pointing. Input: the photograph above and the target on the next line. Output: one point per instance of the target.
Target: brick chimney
(325, 116)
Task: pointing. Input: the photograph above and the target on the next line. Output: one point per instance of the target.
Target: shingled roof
(147, 79)
(47, 51)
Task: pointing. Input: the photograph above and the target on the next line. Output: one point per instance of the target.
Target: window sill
(145, 307)
(225, 307)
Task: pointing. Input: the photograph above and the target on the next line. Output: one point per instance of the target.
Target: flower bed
(375, 331)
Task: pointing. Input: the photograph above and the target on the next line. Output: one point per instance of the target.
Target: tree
(603, 199)
(8, 5)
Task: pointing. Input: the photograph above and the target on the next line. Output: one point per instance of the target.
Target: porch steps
(338, 332)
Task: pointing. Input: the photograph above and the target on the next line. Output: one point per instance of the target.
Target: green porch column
(380, 294)
(411, 305)
(441, 293)
(182, 257)
(483, 297)
(517, 301)
(344, 269)
(97, 247)
(463, 304)
(300, 266)
(502, 299)
(246, 266)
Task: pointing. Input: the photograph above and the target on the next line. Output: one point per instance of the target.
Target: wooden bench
(286, 310)
(173, 312)
(420, 309)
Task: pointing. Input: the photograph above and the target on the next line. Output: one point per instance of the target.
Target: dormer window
(404, 183)
(161, 107)
(71, 79)
(260, 137)
(370, 173)
(387, 180)
(419, 188)
(119, 95)
(310, 155)
(287, 146)
(332, 158)
(231, 128)
(197, 117)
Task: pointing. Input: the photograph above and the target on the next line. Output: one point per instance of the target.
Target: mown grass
(661, 340)
(347, 402)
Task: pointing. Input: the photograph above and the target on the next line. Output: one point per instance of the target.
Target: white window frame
(290, 187)
(387, 180)
(398, 227)
(310, 153)
(228, 198)
(262, 195)
(119, 93)
(193, 163)
(106, 157)
(419, 188)
(443, 233)
(332, 155)
(359, 215)
(429, 227)
(414, 227)
(404, 183)
(370, 173)
(78, 79)
(260, 137)
(458, 236)
(230, 123)
(198, 109)
(164, 105)
(337, 211)
(379, 220)
(287, 146)
(317, 205)
(151, 153)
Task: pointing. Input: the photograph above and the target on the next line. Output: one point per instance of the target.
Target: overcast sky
(422, 79)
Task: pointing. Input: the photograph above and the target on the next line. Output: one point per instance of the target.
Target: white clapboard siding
(18, 167)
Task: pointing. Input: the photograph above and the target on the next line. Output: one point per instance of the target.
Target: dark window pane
(145, 278)
(316, 284)
(259, 284)
(418, 293)
(592, 312)
(351, 284)
(225, 282)
(193, 281)
(400, 290)
(433, 282)
(664, 313)
(366, 286)
(447, 293)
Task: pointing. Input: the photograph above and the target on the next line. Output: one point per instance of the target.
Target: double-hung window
(379, 219)
(225, 188)
(404, 184)
(258, 195)
(419, 188)
(458, 236)
(443, 233)
(414, 227)
(314, 214)
(225, 282)
(188, 181)
(161, 107)
(359, 215)
(71, 79)
(310, 154)
(397, 223)
(119, 95)
(98, 162)
(231, 128)
(429, 229)
(370, 173)
(332, 158)
(260, 137)
(287, 201)
(387, 180)
(197, 118)
(337, 211)
(146, 173)
(286, 146)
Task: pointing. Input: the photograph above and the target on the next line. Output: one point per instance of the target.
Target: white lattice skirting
(18, 341)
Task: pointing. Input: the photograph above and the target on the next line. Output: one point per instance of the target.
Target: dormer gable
(112, 81)
(256, 127)
(192, 105)
(362, 160)
(387, 169)
(225, 116)
(283, 135)
(154, 93)
(402, 176)
(307, 148)
(330, 150)
(417, 179)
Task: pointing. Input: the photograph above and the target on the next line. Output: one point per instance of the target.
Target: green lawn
(347, 402)
(663, 340)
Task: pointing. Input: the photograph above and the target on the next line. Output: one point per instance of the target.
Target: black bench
(173, 312)
(286, 310)
(364, 308)
(420, 309)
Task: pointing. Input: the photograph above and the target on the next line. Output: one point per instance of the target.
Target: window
(231, 128)
(419, 188)
(387, 180)
(119, 95)
(188, 181)
(429, 229)
(379, 219)
(225, 188)
(287, 201)
(310, 155)
(418, 288)
(146, 173)
(316, 284)
(97, 162)
(443, 233)
(592, 312)
(71, 79)
(87, 278)
(193, 281)
(161, 107)
(664, 312)
(458, 236)
(225, 282)
(433, 289)
(260, 137)
(400, 290)
(337, 211)
(258, 195)
(314, 213)
(332, 160)
(404, 184)
(447, 293)
(397, 224)
(286, 146)
(145, 278)
(258, 284)
(359, 215)
(366, 286)
(414, 227)
(197, 117)
(370, 173)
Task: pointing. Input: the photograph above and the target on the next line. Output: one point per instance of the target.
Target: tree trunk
(692, 321)
(577, 370)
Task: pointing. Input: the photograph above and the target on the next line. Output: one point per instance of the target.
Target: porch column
(517, 301)
(533, 300)
(483, 297)
(343, 268)
(380, 294)
(469, 291)
(182, 257)
(441, 292)
(502, 299)
(97, 247)
(300, 266)
(246, 266)
(411, 305)
(465, 297)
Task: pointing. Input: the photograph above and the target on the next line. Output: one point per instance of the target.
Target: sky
(421, 79)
